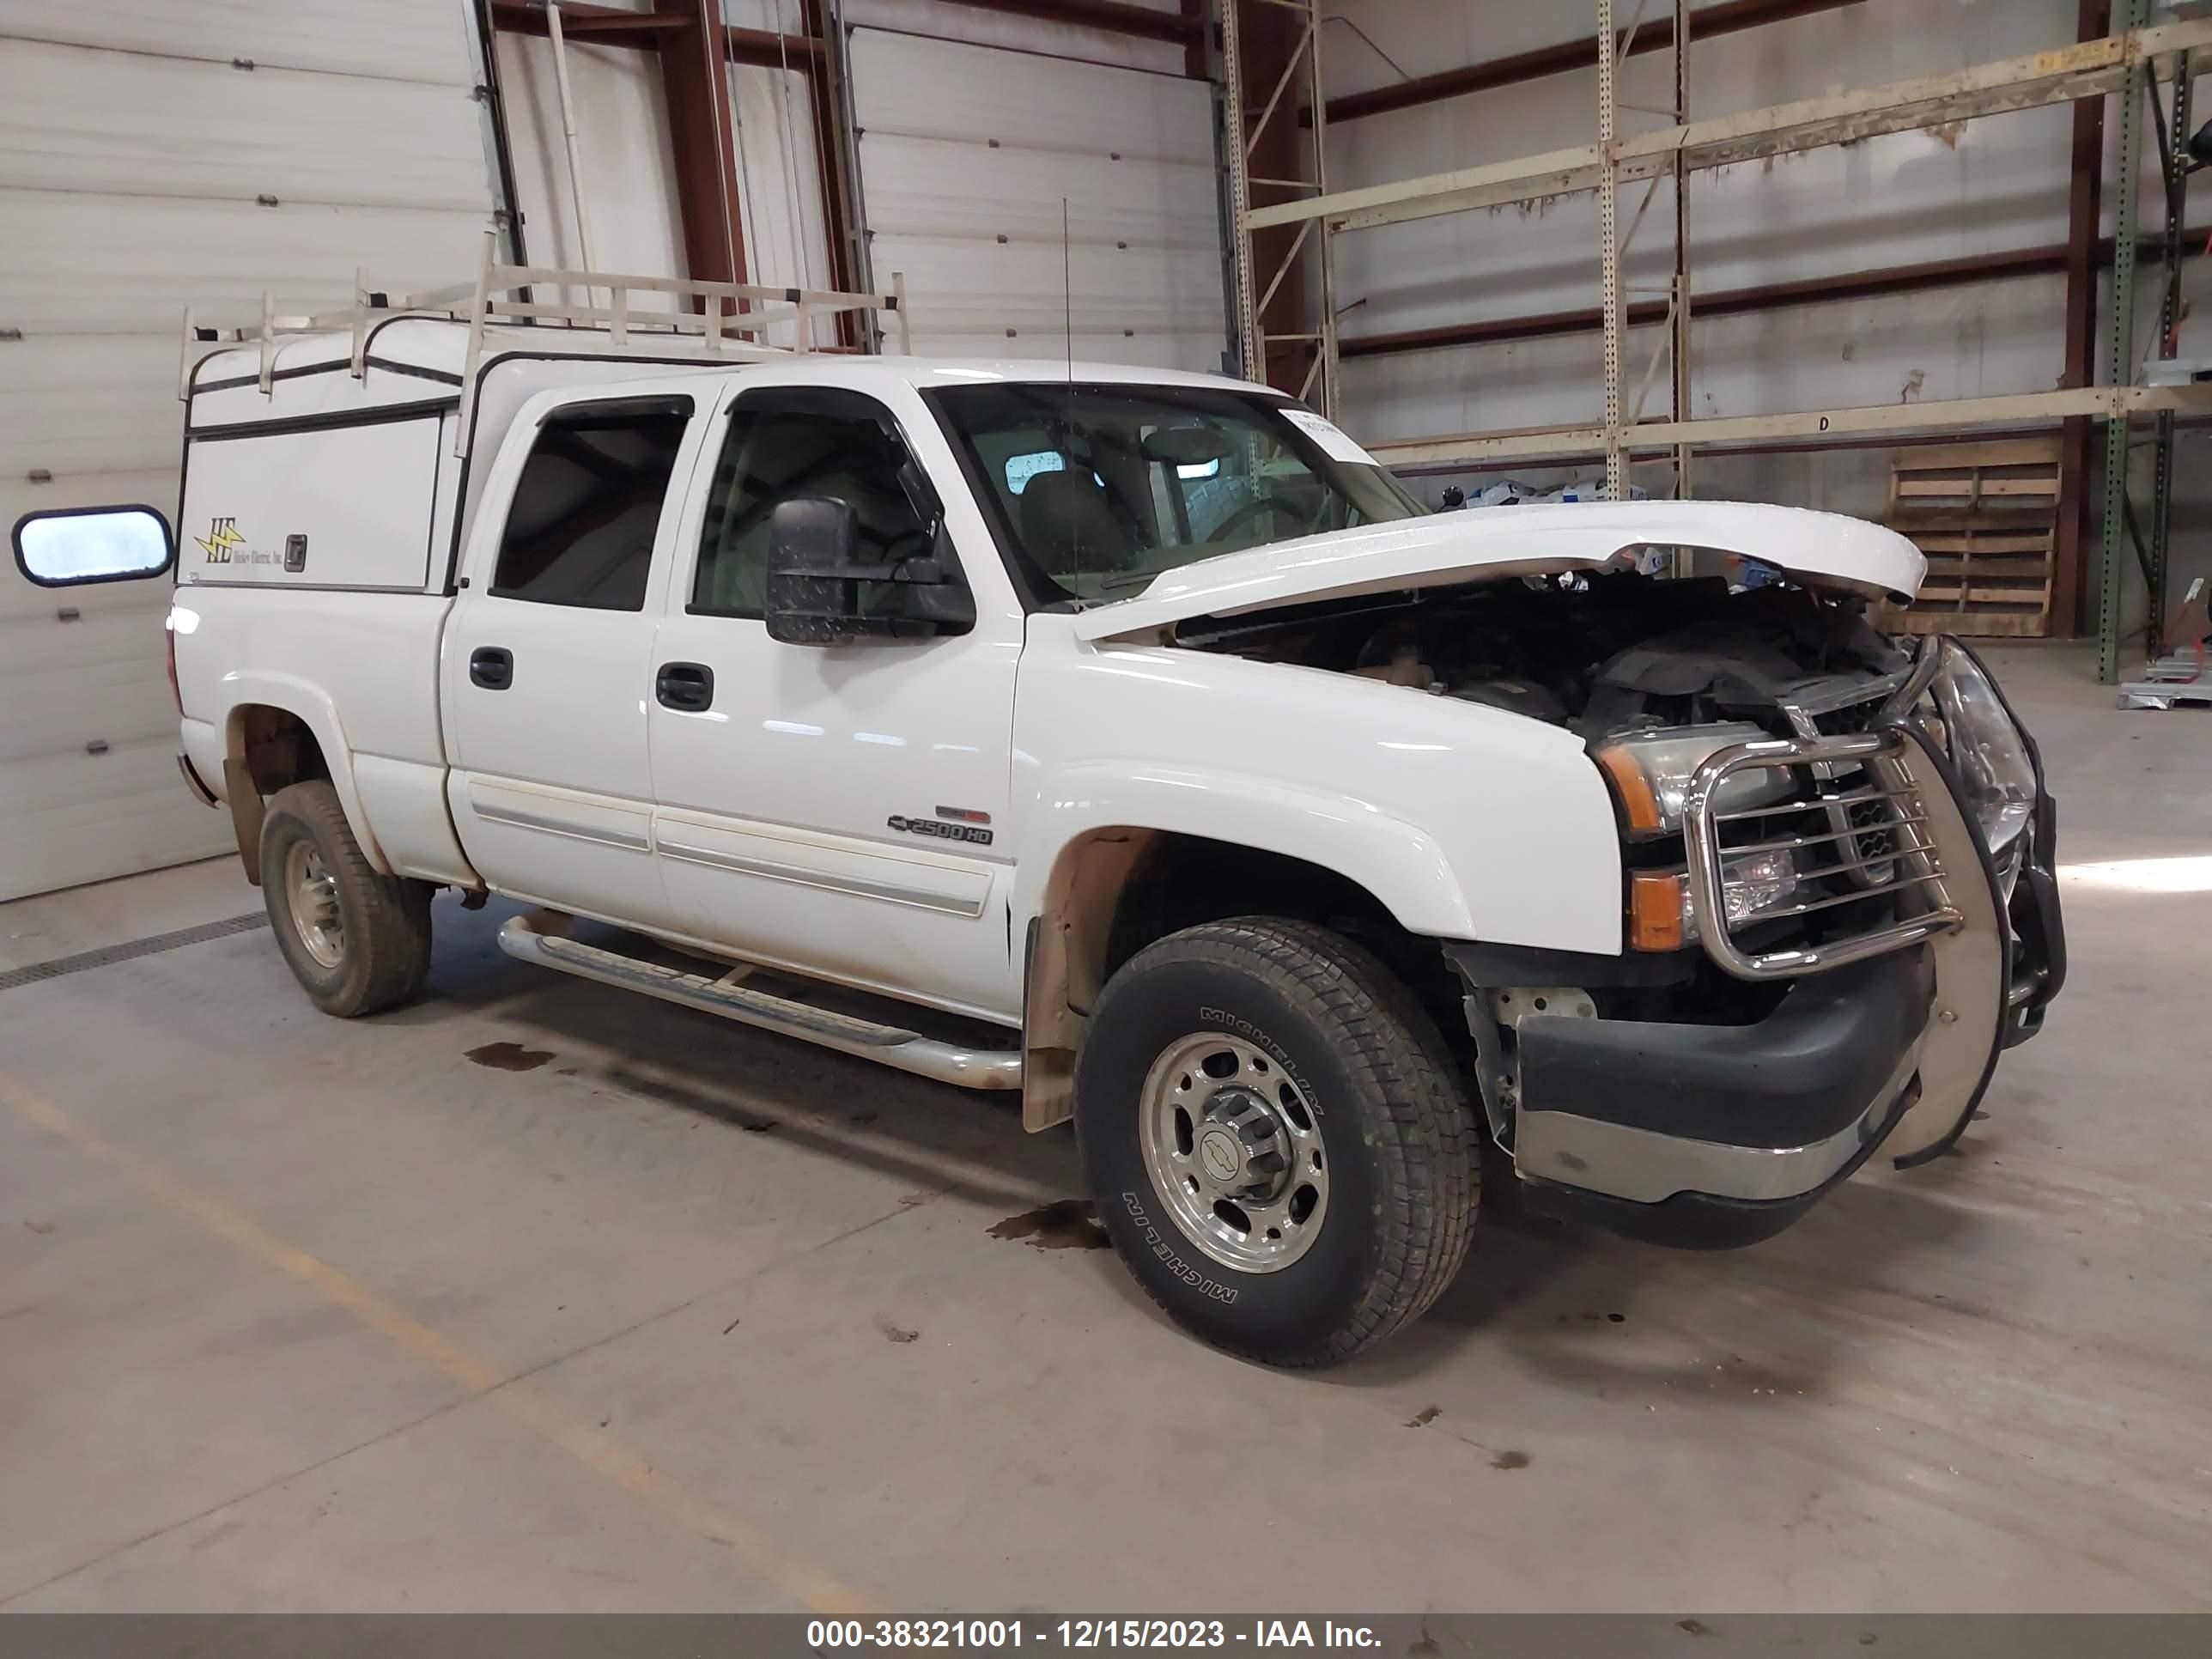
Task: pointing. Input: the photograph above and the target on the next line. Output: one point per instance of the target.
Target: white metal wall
(152, 154)
(966, 152)
(974, 124)
(629, 163)
(780, 183)
(629, 167)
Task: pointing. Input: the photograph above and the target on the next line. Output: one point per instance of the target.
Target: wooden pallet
(1986, 516)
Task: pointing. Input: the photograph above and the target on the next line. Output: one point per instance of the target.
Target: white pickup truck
(1312, 852)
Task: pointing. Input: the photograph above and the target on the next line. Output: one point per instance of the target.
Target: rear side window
(586, 510)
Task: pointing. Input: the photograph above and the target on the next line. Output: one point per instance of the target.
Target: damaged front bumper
(1706, 1137)
(1710, 1135)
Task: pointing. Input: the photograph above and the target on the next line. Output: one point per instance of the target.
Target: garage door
(965, 153)
(153, 154)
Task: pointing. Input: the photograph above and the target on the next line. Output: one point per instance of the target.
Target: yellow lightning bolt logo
(222, 536)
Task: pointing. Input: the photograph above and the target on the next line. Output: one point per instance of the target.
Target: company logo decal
(221, 538)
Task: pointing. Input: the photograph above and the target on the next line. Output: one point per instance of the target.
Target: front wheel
(1276, 1140)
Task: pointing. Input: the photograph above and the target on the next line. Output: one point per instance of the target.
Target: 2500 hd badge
(973, 834)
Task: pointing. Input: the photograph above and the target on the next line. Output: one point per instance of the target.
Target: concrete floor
(300, 1314)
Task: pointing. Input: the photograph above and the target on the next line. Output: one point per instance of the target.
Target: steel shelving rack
(2129, 62)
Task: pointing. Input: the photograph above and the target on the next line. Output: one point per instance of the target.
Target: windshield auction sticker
(1333, 441)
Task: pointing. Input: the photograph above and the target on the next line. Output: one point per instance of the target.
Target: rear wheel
(1276, 1140)
(356, 940)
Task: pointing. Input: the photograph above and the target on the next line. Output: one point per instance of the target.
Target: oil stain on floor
(510, 1057)
(1066, 1224)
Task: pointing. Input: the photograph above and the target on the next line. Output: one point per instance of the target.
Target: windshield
(1100, 487)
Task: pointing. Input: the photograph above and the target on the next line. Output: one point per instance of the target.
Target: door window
(580, 529)
(793, 442)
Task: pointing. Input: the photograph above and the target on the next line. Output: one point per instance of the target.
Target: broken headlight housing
(1996, 774)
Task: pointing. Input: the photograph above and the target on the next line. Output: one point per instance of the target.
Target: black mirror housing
(817, 584)
(809, 538)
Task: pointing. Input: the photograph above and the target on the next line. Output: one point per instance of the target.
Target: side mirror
(820, 593)
(809, 538)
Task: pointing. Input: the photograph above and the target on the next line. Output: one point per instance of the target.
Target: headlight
(1757, 885)
(1986, 750)
(1753, 885)
(1651, 774)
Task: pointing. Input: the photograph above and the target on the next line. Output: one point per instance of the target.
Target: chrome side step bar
(525, 939)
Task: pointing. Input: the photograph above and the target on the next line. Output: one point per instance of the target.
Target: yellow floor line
(808, 1584)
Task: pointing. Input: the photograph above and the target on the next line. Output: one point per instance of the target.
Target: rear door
(839, 809)
(546, 666)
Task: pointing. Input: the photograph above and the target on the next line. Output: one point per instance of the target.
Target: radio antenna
(1067, 305)
(1068, 337)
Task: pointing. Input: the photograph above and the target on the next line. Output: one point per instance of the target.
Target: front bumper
(1706, 1137)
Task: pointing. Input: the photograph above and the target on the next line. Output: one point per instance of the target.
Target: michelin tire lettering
(1156, 1241)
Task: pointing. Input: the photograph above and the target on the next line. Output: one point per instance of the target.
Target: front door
(548, 659)
(841, 810)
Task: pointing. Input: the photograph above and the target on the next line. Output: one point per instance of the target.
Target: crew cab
(1313, 852)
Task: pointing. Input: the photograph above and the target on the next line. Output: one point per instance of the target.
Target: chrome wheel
(1231, 1145)
(316, 917)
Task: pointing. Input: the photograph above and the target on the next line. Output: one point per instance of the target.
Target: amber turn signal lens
(1637, 803)
(1654, 912)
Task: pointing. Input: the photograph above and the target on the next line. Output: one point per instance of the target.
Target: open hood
(1820, 550)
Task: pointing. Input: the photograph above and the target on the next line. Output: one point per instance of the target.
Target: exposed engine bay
(1598, 654)
(1655, 673)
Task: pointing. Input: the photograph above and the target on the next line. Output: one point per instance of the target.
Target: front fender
(1401, 865)
(1466, 822)
(312, 705)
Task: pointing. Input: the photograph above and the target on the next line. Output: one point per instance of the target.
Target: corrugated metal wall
(1104, 119)
(153, 154)
(966, 152)
(629, 164)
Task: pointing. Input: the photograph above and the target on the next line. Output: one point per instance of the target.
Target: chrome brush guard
(1890, 854)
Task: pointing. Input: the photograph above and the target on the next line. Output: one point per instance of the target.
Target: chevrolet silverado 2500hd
(1312, 852)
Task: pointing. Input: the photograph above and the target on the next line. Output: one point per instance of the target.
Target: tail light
(169, 637)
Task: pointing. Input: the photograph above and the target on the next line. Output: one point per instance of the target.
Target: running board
(908, 1051)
